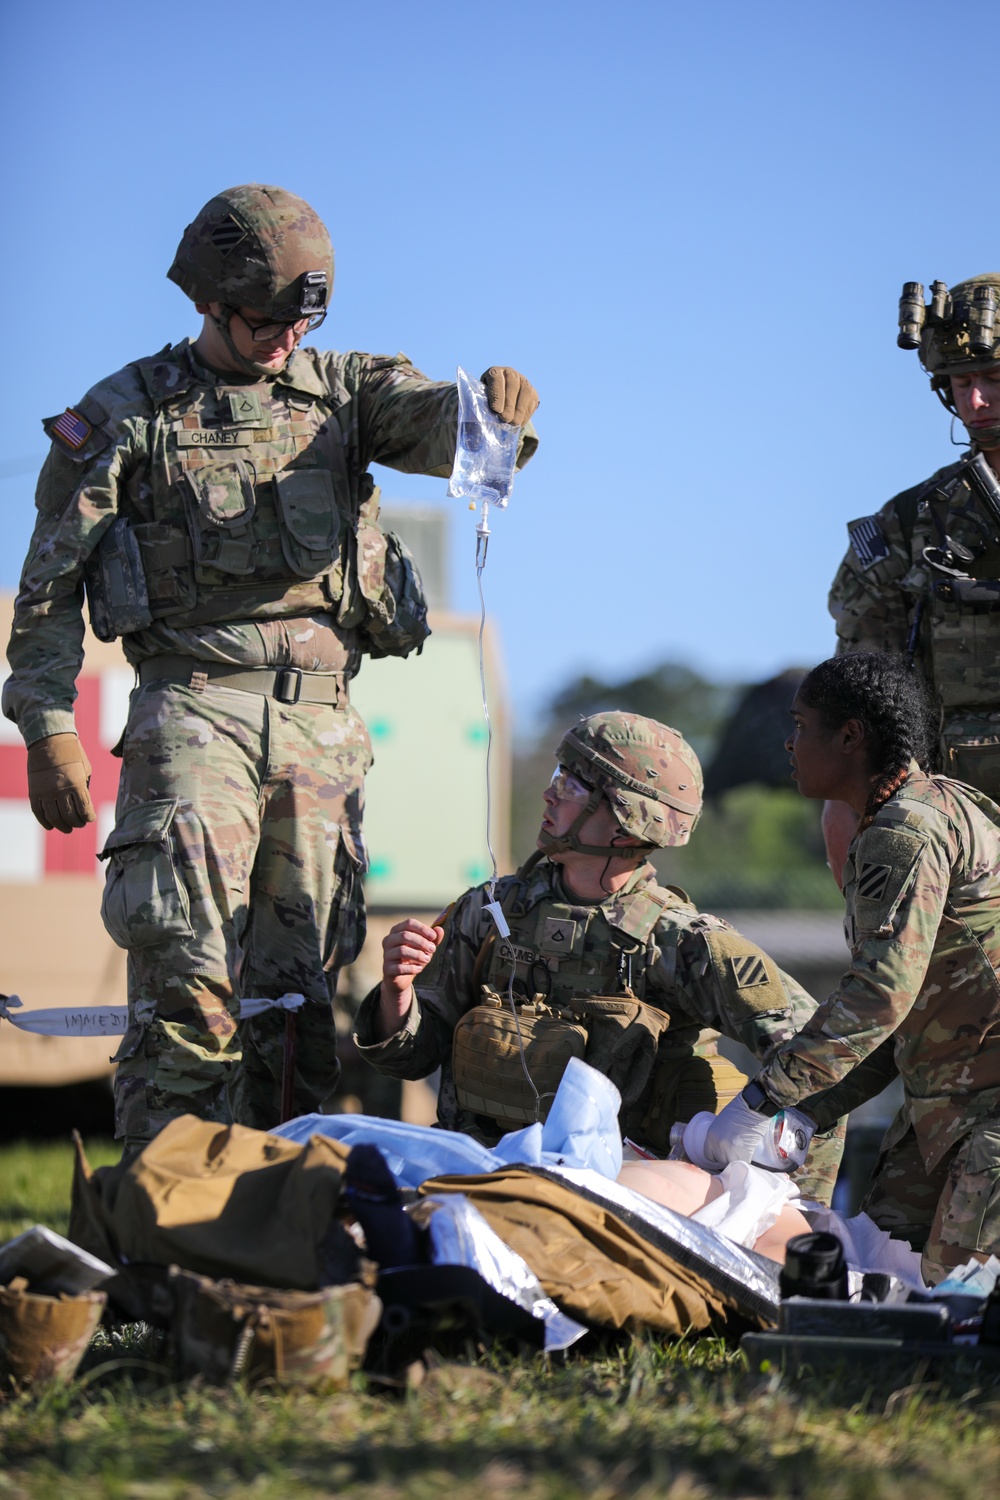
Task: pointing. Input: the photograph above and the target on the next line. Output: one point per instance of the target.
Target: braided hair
(888, 697)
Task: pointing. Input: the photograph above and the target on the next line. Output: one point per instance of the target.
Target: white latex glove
(733, 1135)
(781, 1154)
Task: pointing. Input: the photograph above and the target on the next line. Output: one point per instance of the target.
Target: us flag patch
(868, 541)
(749, 970)
(872, 881)
(71, 429)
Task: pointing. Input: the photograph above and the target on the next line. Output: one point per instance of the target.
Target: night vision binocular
(952, 315)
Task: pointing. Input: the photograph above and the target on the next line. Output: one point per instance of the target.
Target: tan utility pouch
(615, 1034)
(225, 1331)
(44, 1338)
(486, 1059)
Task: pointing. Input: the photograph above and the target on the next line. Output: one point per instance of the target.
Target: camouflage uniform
(923, 903)
(922, 576)
(236, 863)
(887, 597)
(646, 943)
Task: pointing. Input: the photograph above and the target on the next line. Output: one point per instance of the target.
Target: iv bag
(486, 448)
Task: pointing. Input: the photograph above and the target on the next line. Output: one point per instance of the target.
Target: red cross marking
(76, 852)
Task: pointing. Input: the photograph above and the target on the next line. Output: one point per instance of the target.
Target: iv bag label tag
(496, 912)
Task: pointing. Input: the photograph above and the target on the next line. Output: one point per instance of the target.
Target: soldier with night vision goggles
(601, 963)
(215, 501)
(922, 576)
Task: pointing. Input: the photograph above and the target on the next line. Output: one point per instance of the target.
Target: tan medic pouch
(486, 1059)
(44, 1338)
(615, 1034)
(225, 1331)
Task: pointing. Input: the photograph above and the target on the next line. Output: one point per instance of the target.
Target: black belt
(286, 684)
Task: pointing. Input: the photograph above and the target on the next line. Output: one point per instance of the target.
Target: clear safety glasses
(567, 787)
(267, 333)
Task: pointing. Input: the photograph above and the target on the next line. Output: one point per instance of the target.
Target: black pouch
(397, 621)
(116, 584)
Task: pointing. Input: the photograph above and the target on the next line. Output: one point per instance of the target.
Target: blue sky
(688, 224)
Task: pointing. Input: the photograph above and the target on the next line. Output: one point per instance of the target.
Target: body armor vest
(960, 629)
(580, 976)
(246, 510)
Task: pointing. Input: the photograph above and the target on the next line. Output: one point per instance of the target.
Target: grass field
(647, 1418)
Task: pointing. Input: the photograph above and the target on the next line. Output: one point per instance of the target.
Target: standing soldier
(214, 501)
(600, 962)
(922, 576)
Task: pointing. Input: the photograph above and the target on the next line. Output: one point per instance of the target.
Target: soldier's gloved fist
(510, 395)
(732, 1135)
(58, 778)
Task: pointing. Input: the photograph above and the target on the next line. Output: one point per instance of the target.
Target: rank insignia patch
(71, 429)
(749, 970)
(867, 541)
(872, 881)
(560, 935)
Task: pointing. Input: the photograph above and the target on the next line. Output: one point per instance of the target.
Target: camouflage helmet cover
(260, 247)
(642, 767)
(960, 330)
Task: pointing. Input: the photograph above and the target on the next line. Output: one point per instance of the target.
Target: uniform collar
(301, 374)
(545, 881)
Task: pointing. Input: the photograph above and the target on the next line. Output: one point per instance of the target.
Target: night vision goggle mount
(954, 317)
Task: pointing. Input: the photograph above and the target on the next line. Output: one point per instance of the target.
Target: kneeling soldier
(601, 963)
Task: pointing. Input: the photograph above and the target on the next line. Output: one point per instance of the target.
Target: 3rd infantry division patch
(749, 970)
(872, 881)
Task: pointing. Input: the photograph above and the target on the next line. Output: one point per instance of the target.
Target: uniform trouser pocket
(145, 898)
(967, 1221)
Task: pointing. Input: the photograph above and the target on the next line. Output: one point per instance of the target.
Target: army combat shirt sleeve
(441, 996)
(718, 978)
(870, 610)
(76, 500)
(407, 421)
(898, 878)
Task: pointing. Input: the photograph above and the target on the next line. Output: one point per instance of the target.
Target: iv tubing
(482, 547)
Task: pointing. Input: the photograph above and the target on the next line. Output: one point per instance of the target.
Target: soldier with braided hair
(599, 962)
(922, 887)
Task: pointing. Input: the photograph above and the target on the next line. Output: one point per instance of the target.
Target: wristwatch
(755, 1098)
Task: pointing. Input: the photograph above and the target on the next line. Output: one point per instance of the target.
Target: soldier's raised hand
(510, 395)
(407, 949)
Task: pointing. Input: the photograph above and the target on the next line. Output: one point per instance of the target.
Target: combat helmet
(645, 770)
(260, 247)
(956, 331)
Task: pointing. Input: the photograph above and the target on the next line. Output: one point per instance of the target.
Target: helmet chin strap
(569, 842)
(248, 366)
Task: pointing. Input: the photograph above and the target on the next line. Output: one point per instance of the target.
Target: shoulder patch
(74, 434)
(71, 429)
(749, 970)
(873, 880)
(884, 863)
(868, 541)
(748, 982)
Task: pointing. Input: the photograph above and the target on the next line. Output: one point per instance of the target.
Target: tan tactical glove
(513, 398)
(58, 778)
